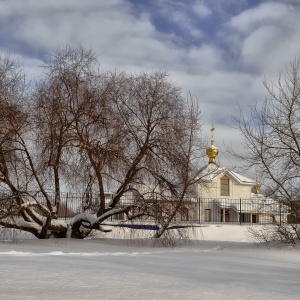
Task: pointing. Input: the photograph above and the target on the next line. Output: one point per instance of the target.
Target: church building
(226, 196)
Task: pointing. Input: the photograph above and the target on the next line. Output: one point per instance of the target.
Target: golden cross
(212, 134)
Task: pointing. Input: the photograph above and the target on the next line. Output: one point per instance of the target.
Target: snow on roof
(211, 171)
(261, 197)
(242, 178)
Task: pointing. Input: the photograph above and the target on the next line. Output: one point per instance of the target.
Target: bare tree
(19, 171)
(134, 133)
(271, 139)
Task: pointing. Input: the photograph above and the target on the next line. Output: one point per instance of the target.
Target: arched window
(224, 186)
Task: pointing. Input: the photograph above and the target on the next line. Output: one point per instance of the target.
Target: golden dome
(212, 151)
(257, 185)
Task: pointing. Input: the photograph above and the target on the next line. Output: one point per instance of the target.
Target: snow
(22, 223)
(242, 178)
(58, 223)
(91, 218)
(212, 170)
(218, 262)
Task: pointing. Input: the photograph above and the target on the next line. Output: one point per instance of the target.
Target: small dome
(212, 151)
(257, 185)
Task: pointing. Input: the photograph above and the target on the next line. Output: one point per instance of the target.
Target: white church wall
(240, 191)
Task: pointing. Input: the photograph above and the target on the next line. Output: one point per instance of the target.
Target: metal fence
(208, 211)
(243, 211)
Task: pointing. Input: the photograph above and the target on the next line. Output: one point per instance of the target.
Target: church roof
(212, 170)
(242, 178)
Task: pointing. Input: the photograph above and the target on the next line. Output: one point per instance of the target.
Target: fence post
(66, 208)
(280, 214)
(240, 211)
(199, 210)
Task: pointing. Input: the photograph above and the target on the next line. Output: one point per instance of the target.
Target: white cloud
(204, 59)
(261, 44)
(120, 37)
(263, 38)
(201, 10)
(265, 13)
(184, 23)
(220, 91)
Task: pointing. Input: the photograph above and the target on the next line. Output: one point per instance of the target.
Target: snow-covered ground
(225, 265)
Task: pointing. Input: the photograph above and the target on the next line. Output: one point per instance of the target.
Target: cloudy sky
(219, 50)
